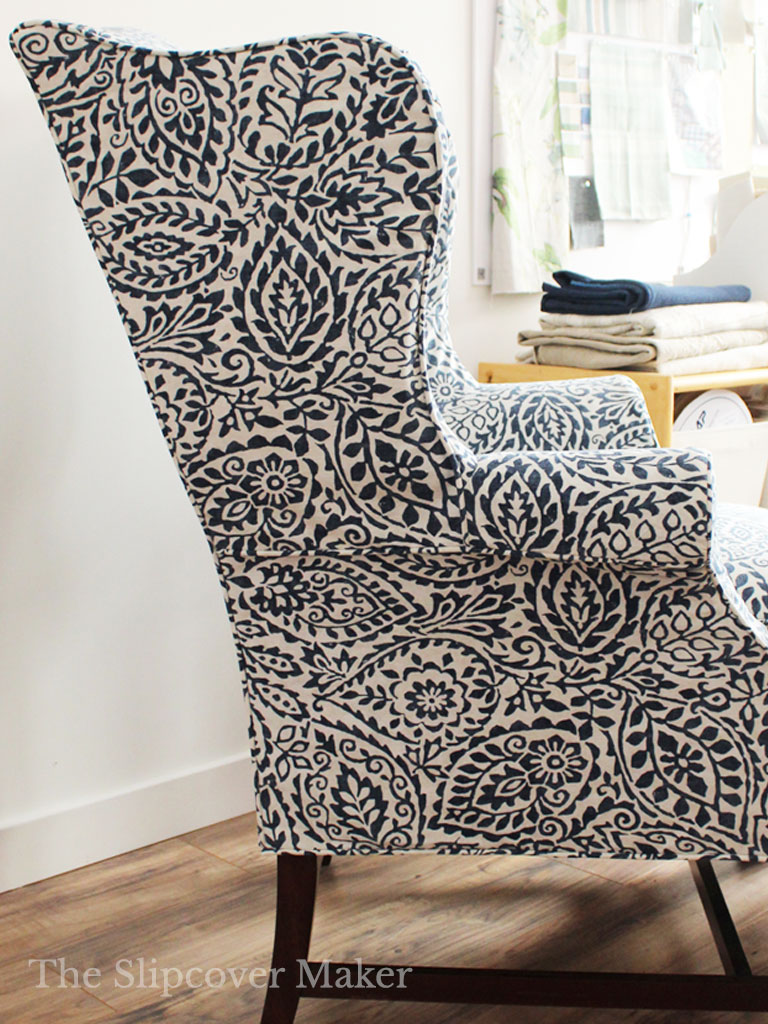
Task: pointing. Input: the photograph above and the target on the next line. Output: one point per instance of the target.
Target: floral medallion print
(470, 618)
(257, 492)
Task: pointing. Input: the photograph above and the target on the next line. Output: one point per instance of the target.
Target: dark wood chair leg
(738, 989)
(296, 886)
(726, 938)
(326, 860)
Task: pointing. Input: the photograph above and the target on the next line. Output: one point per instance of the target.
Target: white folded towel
(751, 358)
(667, 321)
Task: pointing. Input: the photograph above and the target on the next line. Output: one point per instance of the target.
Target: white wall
(122, 716)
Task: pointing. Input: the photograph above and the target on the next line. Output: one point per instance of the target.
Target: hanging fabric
(629, 132)
(634, 19)
(530, 191)
(696, 102)
(707, 38)
(761, 71)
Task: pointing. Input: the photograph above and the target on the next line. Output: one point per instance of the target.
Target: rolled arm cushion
(563, 415)
(643, 508)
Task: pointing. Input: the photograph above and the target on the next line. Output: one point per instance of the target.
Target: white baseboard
(67, 838)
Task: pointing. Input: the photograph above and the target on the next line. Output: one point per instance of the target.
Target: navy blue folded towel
(592, 297)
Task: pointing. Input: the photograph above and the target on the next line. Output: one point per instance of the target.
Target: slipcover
(469, 618)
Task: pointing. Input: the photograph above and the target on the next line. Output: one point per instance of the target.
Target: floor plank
(205, 901)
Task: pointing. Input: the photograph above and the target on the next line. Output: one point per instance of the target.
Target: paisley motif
(160, 247)
(552, 420)
(518, 781)
(326, 597)
(684, 763)
(519, 506)
(643, 509)
(366, 802)
(582, 614)
(181, 114)
(181, 406)
(293, 307)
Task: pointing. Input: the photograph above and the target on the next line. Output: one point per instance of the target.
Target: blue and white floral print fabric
(468, 618)
(742, 536)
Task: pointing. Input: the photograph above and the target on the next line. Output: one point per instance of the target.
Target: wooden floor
(205, 900)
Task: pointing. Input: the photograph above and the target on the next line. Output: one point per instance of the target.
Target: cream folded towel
(603, 351)
(746, 358)
(667, 321)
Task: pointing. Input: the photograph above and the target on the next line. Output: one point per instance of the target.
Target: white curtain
(530, 195)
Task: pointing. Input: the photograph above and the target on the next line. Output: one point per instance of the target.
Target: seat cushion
(742, 537)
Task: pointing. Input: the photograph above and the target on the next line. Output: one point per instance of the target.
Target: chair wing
(267, 219)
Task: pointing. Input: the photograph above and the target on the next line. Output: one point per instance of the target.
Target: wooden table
(659, 389)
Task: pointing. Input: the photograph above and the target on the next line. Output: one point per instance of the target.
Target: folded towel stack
(613, 324)
(575, 293)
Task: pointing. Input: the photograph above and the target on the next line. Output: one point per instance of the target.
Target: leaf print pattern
(469, 618)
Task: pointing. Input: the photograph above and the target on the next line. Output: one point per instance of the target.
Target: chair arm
(563, 415)
(640, 508)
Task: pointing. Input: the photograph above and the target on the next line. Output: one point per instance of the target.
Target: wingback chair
(469, 618)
